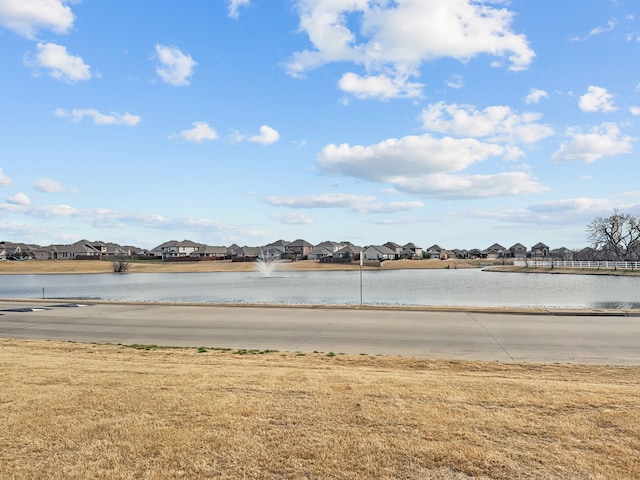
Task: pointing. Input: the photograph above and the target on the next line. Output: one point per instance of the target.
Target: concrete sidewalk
(589, 337)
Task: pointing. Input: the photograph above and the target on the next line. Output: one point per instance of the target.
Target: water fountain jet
(266, 266)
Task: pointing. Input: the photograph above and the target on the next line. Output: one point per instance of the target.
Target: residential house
(411, 251)
(539, 250)
(247, 253)
(349, 253)
(11, 250)
(325, 249)
(562, 254)
(298, 249)
(434, 252)
(587, 254)
(395, 247)
(459, 253)
(173, 248)
(517, 251)
(274, 251)
(494, 251)
(207, 251)
(474, 253)
(378, 252)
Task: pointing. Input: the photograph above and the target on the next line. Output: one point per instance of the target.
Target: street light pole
(361, 263)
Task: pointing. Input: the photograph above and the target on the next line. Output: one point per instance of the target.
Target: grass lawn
(103, 411)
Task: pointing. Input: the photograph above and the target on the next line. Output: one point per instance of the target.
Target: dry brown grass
(92, 411)
(95, 266)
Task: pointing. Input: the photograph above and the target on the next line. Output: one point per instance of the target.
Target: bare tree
(617, 236)
(120, 265)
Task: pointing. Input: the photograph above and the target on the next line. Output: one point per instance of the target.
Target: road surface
(600, 338)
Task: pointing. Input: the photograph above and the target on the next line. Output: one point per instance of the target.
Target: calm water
(400, 287)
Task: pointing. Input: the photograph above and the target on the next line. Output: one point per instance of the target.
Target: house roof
(382, 249)
(349, 249)
(300, 243)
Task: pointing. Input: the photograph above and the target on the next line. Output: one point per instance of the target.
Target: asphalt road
(508, 337)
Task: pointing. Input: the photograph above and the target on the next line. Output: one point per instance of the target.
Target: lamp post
(361, 263)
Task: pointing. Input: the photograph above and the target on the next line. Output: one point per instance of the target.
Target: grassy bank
(97, 266)
(94, 411)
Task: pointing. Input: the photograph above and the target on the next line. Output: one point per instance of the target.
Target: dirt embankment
(96, 266)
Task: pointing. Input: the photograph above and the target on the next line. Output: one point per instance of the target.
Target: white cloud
(399, 36)
(602, 141)
(391, 207)
(497, 123)
(175, 68)
(200, 132)
(4, 180)
(611, 24)
(234, 7)
(19, 199)
(267, 136)
(535, 95)
(455, 81)
(597, 99)
(51, 186)
(105, 218)
(45, 211)
(325, 200)
(112, 118)
(447, 186)
(355, 203)
(297, 218)
(579, 206)
(379, 86)
(425, 166)
(62, 65)
(26, 17)
(635, 111)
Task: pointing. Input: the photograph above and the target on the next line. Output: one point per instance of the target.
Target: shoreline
(527, 311)
(66, 267)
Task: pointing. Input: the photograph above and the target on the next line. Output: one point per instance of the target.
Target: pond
(472, 287)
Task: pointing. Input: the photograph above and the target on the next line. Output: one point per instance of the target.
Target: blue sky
(455, 122)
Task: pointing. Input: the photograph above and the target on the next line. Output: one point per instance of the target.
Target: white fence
(575, 264)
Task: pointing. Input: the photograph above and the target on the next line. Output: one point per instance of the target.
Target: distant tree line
(617, 237)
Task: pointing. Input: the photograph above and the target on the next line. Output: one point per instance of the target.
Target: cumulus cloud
(234, 7)
(297, 218)
(175, 67)
(635, 111)
(19, 199)
(112, 118)
(51, 186)
(597, 99)
(61, 65)
(602, 141)
(535, 95)
(4, 180)
(267, 136)
(395, 38)
(200, 132)
(497, 123)
(427, 166)
(379, 86)
(27, 17)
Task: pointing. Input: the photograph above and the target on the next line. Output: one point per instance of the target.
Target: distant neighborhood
(326, 252)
